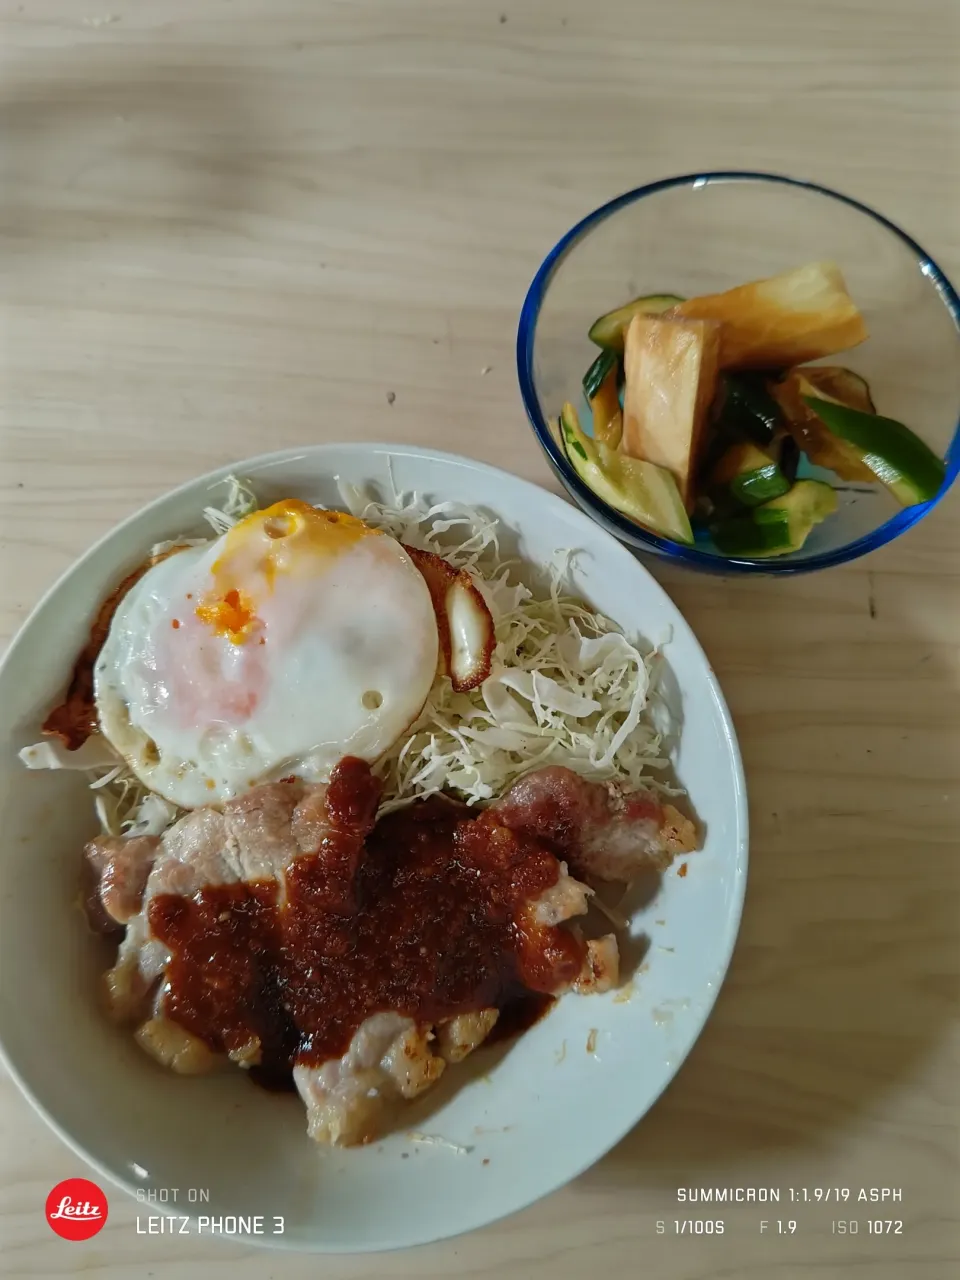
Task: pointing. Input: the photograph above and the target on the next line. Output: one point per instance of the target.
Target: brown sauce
(520, 1014)
(425, 919)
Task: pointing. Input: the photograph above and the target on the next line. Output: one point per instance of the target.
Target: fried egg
(297, 638)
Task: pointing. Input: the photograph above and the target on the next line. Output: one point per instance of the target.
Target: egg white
(338, 661)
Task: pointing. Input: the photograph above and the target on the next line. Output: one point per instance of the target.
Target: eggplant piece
(749, 409)
(788, 455)
(834, 382)
(815, 439)
(802, 315)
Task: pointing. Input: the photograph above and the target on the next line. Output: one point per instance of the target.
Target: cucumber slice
(646, 493)
(600, 369)
(750, 475)
(777, 527)
(601, 384)
(899, 459)
(753, 488)
(813, 437)
(608, 331)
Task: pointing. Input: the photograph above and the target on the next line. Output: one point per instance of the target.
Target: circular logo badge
(76, 1209)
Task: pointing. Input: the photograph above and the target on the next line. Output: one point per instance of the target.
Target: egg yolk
(290, 538)
(232, 615)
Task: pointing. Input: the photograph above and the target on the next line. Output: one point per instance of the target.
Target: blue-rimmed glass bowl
(703, 233)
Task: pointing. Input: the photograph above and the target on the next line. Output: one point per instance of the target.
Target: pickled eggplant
(801, 315)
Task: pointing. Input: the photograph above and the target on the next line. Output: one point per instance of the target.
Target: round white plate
(509, 1125)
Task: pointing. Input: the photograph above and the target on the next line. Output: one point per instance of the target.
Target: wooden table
(233, 225)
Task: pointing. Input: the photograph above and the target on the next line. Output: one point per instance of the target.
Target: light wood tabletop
(228, 226)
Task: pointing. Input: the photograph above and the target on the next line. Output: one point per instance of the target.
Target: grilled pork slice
(602, 830)
(390, 1058)
(175, 1047)
(115, 875)
(458, 1036)
(255, 922)
(252, 840)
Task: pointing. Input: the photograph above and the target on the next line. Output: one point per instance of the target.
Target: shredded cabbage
(126, 807)
(240, 501)
(566, 685)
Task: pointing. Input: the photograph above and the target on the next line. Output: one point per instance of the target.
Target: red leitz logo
(76, 1209)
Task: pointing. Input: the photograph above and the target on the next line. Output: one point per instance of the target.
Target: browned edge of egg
(74, 720)
(444, 583)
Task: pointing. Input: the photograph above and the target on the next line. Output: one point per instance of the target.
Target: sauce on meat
(425, 918)
(519, 1014)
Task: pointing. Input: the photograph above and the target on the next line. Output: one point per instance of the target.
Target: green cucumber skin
(743, 536)
(753, 488)
(907, 466)
(570, 442)
(608, 330)
(747, 474)
(594, 378)
(585, 450)
(780, 526)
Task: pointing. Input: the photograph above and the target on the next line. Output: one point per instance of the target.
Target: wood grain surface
(233, 225)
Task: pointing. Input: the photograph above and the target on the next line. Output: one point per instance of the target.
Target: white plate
(543, 1110)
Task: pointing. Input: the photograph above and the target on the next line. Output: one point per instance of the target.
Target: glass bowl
(703, 233)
